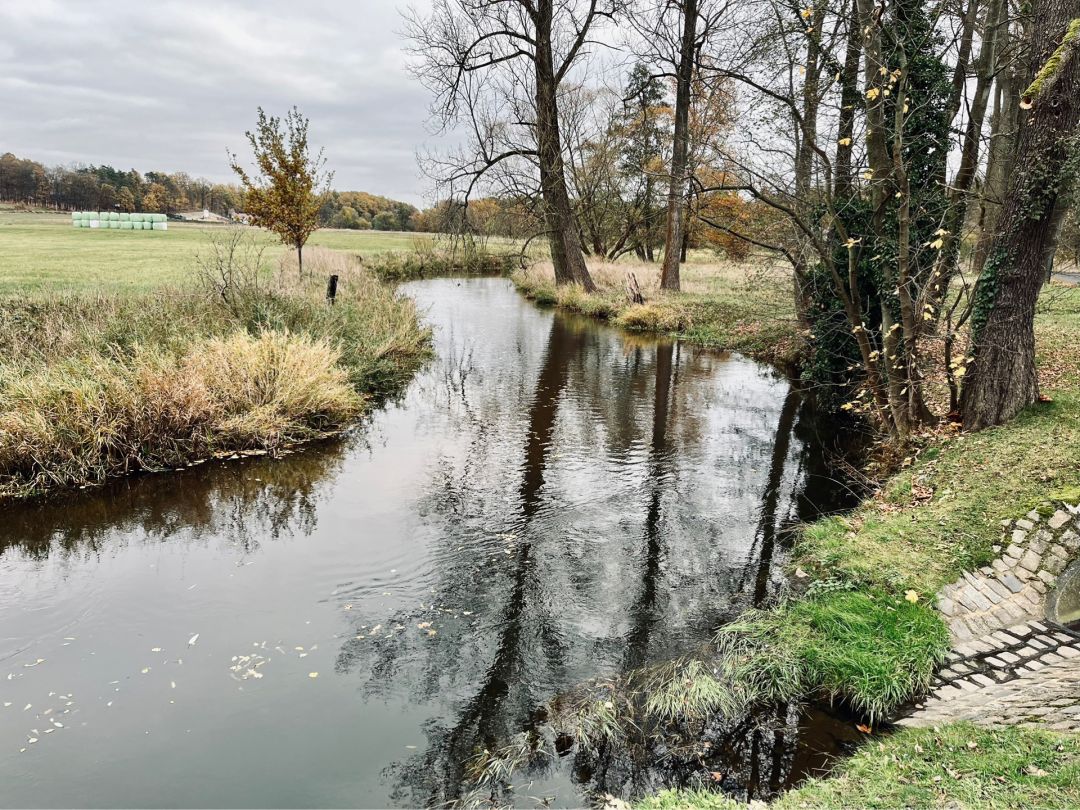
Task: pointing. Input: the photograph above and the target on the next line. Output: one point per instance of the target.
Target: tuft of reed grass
(95, 416)
(690, 691)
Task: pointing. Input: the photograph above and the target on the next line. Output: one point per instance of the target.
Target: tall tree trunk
(566, 253)
(993, 34)
(680, 151)
(804, 156)
(1004, 137)
(849, 101)
(1001, 379)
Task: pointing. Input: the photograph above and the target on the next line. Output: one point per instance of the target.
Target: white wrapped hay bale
(161, 226)
(125, 226)
(94, 223)
(136, 217)
(124, 217)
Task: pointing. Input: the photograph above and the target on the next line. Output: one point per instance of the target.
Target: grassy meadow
(40, 251)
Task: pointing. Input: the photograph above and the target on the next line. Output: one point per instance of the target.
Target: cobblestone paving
(1014, 676)
(1009, 664)
(1013, 588)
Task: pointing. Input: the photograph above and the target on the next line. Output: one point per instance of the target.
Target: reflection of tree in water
(511, 586)
(243, 500)
(497, 566)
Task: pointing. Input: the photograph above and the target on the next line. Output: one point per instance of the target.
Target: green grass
(43, 251)
(942, 516)
(871, 649)
(956, 766)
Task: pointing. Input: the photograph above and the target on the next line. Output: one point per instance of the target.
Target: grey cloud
(172, 85)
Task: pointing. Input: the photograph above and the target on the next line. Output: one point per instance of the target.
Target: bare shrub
(229, 265)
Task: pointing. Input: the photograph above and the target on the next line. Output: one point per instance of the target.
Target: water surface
(551, 500)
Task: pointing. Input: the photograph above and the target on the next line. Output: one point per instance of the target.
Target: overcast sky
(170, 85)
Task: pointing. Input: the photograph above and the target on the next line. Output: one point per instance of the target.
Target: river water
(551, 500)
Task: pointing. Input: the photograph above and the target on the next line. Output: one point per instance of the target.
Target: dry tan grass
(698, 277)
(96, 415)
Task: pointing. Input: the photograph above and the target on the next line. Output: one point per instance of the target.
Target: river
(549, 501)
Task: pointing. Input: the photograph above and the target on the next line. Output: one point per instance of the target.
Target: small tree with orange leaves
(285, 195)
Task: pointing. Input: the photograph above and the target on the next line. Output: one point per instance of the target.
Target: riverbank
(96, 385)
(959, 765)
(724, 305)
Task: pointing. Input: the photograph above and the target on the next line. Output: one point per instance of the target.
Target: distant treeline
(103, 188)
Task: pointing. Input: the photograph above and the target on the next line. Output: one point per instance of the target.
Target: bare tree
(674, 36)
(497, 68)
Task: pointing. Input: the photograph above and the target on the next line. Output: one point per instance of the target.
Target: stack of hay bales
(118, 221)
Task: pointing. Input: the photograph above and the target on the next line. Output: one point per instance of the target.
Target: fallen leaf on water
(313, 674)
(191, 641)
(155, 649)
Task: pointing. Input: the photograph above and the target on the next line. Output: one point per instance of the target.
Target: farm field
(43, 251)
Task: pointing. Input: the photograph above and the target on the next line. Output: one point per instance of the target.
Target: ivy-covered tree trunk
(1001, 378)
